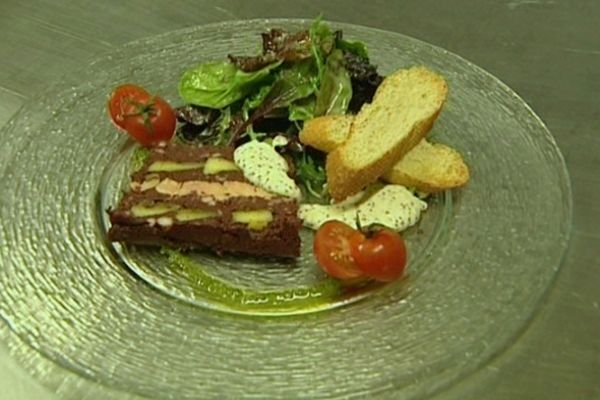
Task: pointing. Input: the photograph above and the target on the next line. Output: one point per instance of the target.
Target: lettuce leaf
(365, 80)
(357, 48)
(311, 175)
(298, 81)
(255, 100)
(322, 42)
(218, 84)
(335, 90)
(196, 124)
(277, 45)
(303, 109)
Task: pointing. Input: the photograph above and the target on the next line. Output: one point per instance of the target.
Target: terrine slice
(196, 197)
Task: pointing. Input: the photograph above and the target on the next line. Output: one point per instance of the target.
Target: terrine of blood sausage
(196, 197)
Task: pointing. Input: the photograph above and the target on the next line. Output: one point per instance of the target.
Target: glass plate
(255, 286)
(481, 260)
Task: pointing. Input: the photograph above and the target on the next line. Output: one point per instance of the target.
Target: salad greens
(278, 45)
(311, 174)
(335, 91)
(323, 41)
(218, 84)
(357, 48)
(303, 109)
(297, 76)
(365, 80)
(293, 83)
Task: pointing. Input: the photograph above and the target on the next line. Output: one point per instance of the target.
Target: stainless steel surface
(548, 51)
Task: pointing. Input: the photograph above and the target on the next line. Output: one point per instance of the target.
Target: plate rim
(63, 81)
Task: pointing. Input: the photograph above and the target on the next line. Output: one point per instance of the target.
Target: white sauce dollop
(266, 168)
(393, 206)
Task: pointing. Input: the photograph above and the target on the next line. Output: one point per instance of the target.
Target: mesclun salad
(243, 164)
(297, 77)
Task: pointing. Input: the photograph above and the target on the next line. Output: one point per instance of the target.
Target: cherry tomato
(381, 256)
(332, 249)
(148, 119)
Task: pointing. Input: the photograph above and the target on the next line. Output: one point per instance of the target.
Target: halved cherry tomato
(381, 256)
(332, 249)
(148, 119)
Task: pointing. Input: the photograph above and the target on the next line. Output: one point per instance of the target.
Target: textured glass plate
(261, 286)
(483, 261)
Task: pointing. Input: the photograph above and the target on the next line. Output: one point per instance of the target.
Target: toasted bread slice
(403, 110)
(428, 167)
(326, 133)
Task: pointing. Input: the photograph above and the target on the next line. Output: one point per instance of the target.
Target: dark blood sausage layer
(194, 197)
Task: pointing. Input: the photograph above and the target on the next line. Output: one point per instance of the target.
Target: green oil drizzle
(249, 300)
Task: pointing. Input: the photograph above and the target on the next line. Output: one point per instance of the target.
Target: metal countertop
(548, 51)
